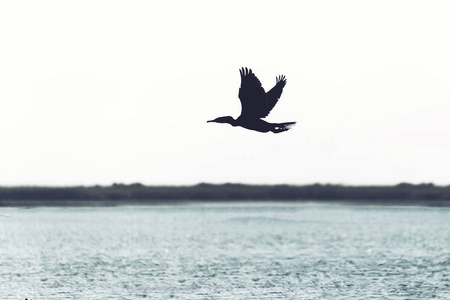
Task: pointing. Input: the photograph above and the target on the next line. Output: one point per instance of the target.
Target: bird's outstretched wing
(274, 94)
(252, 95)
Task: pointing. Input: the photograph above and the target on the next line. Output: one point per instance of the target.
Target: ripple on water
(246, 252)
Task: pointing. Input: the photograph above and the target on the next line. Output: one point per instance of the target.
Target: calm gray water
(235, 251)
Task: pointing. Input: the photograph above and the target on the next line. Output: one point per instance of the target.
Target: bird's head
(226, 119)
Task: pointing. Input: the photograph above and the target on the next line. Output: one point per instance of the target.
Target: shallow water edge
(126, 202)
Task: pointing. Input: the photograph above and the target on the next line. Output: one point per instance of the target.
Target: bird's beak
(209, 121)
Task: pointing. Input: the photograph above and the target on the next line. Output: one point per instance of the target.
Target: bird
(257, 104)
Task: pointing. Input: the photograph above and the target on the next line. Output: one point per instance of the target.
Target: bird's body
(257, 104)
(263, 126)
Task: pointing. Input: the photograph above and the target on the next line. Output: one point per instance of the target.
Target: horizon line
(139, 184)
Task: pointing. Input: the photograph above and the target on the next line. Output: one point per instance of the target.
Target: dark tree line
(405, 193)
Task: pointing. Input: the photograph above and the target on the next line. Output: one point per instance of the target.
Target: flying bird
(257, 104)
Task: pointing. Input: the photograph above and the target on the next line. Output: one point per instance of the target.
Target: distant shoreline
(139, 194)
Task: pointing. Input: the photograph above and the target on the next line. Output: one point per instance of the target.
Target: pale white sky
(96, 92)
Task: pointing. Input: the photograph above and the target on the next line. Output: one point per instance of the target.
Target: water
(235, 251)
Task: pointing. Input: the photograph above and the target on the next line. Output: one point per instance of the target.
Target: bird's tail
(280, 127)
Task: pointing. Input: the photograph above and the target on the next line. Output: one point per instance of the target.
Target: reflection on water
(236, 251)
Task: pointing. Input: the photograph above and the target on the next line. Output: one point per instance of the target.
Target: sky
(101, 92)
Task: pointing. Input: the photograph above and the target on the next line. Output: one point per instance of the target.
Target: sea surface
(225, 251)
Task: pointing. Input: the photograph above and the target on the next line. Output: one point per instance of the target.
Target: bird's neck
(230, 120)
(234, 122)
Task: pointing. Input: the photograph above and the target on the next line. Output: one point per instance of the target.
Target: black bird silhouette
(257, 104)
